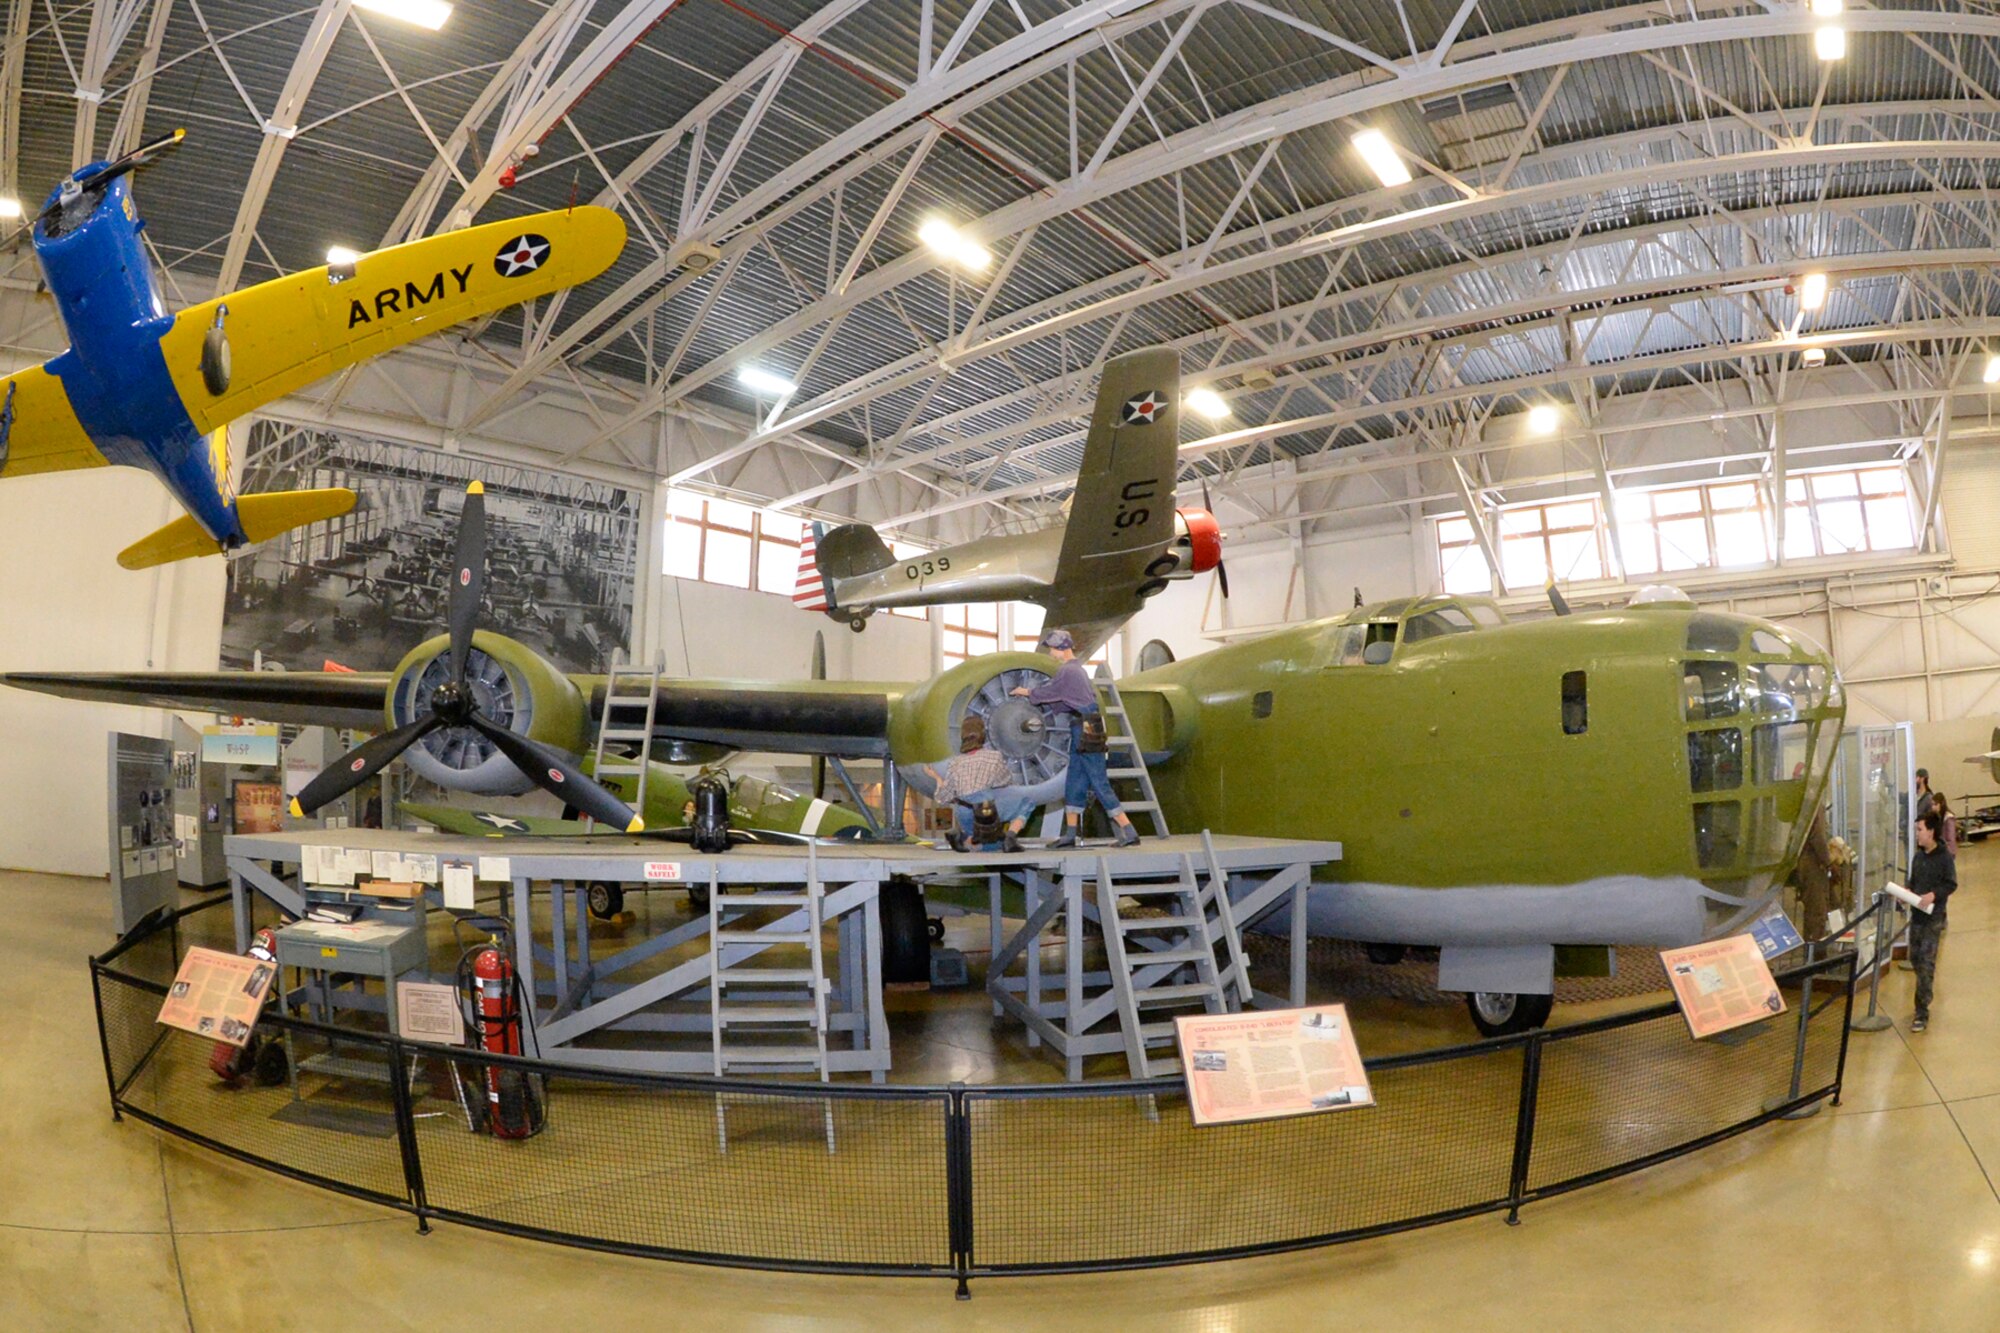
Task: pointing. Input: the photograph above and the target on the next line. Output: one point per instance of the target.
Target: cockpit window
(1437, 623)
(1485, 616)
(1786, 689)
(1709, 690)
(1713, 634)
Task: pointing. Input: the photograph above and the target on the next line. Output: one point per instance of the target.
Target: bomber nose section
(1763, 707)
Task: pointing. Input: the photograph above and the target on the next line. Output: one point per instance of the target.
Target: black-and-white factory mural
(361, 590)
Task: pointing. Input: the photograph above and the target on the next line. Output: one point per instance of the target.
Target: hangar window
(1848, 510)
(971, 630)
(1560, 539)
(720, 541)
(1028, 637)
(1575, 702)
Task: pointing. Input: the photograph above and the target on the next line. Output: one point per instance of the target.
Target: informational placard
(259, 807)
(255, 745)
(217, 995)
(496, 869)
(1276, 1063)
(1722, 984)
(1775, 934)
(428, 1011)
(663, 870)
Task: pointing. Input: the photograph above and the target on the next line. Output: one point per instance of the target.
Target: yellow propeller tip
(637, 825)
(476, 488)
(297, 812)
(179, 134)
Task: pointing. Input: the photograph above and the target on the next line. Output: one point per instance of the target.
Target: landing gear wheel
(1503, 1013)
(271, 1067)
(697, 900)
(935, 929)
(215, 361)
(857, 623)
(606, 900)
(906, 942)
(1388, 955)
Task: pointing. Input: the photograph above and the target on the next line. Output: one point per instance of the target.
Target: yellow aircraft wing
(286, 333)
(41, 432)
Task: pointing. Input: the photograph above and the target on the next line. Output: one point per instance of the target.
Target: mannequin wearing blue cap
(1071, 692)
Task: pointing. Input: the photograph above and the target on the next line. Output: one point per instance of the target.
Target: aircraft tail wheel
(606, 900)
(1503, 1013)
(906, 943)
(857, 623)
(215, 360)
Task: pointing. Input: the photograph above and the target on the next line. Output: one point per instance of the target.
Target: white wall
(708, 631)
(69, 606)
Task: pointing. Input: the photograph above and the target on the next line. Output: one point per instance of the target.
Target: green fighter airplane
(1521, 795)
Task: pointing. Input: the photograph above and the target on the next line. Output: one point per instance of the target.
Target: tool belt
(1090, 734)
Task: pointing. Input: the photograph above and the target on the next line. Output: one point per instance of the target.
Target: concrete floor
(1884, 1208)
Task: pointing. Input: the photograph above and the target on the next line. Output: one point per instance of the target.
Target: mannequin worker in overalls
(1070, 691)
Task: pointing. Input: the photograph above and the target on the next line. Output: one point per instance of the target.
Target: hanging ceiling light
(1813, 356)
(1992, 375)
(429, 14)
(1381, 157)
(1812, 291)
(763, 381)
(1206, 402)
(954, 245)
(1830, 42)
(1543, 418)
(10, 207)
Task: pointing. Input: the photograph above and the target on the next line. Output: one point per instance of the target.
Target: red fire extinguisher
(513, 1108)
(258, 1055)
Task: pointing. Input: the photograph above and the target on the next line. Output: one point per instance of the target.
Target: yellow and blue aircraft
(142, 387)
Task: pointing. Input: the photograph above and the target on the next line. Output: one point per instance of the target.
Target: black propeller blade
(361, 764)
(1557, 600)
(111, 171)
(1221, 565)
(557, 776)
(453, 704)
(468, 578)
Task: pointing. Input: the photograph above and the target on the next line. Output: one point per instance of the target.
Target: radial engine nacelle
(514, 686)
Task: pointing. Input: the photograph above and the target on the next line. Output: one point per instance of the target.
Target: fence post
(958, 1186)
(1873, 1021)
(1524, 1126)
(103, 1038)
(1846, 1025)
(406, 1135)
(1798, 1060)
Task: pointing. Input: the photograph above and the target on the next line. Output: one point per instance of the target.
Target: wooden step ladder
(1163, 965)
(1126, 761)
(767, 1020)
(630, 696)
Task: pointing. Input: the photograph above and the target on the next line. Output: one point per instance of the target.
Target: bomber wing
(288, 332)
(836, 717)
(1121, 517)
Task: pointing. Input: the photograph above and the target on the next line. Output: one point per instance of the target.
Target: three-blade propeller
(104, 175)
(453, 704)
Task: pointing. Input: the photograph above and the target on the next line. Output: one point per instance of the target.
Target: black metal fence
(965, 1181)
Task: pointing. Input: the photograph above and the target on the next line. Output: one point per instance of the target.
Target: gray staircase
(768, 1019)
(1126, 762)
(630, 695)
(1163, 965)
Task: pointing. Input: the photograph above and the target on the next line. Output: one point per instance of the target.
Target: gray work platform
(578, 995)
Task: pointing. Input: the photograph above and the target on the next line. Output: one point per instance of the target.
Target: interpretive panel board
(1722, 984)
(217, 995)
(1264, 1065)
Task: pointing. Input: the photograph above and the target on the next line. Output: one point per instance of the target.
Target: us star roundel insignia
(523, 254)
(1141, 410)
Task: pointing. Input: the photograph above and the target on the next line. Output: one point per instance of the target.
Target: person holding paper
(1933, 878)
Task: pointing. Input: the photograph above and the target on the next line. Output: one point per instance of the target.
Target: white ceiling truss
(1610, 205)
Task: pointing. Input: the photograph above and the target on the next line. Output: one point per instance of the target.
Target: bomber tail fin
(262, 517)
(811, 592)
(851, 550)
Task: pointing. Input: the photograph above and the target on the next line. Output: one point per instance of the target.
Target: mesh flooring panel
(1097, 1178)
(177, 1086)
(643, 1166)
(1613, 1097)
